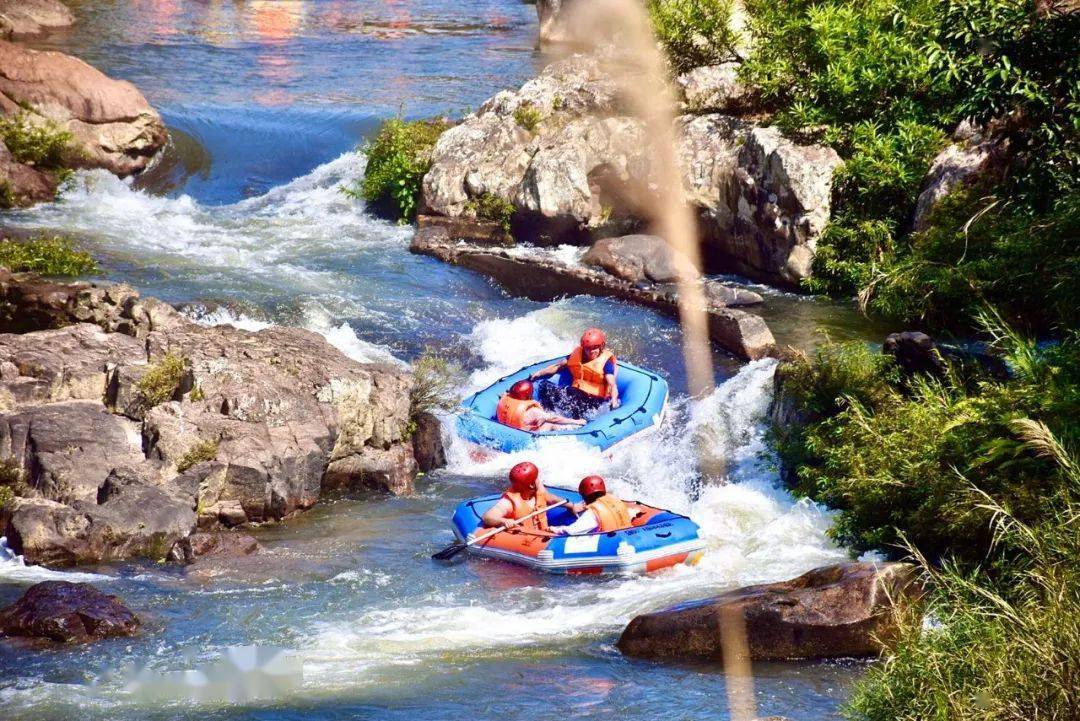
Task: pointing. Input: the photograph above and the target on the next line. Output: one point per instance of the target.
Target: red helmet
(522, 390)
(523, 476)
(590, 485)
(593, 338)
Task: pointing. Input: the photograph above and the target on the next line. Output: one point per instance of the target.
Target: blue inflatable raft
(643, 395)
(657, 539)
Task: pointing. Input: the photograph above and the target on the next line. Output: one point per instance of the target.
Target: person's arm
(563, 420)
(498, 514)
(549, 371)
(611, 378)
(586, 523)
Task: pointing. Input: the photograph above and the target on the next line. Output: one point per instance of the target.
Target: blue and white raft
(642, 394)
(657, 539)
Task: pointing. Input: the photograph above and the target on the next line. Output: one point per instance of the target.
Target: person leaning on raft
(600, 512)
(593, 372)
(525, 495)
(518, 409)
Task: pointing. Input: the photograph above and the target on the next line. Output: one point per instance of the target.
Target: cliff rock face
(112, 124)
(566, 153)
(124, 425)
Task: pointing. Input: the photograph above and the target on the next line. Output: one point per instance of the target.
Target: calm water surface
(245, 219)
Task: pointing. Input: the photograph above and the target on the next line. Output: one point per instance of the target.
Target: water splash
(13, 569)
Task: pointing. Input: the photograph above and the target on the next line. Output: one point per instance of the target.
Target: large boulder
(67, 612)
(836, 611)
(131, 425)
(29, 17)
(962, 164)
(635, 258)
(21, 184)
(112, 124)
(567, 153)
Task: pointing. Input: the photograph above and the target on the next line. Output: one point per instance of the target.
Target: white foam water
(13, 569)
(754, 530)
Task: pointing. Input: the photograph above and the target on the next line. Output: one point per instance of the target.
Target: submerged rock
(213, 545)
(844, 610)
(67, 612)
(236, 427)
(112, 124)
(29, 17)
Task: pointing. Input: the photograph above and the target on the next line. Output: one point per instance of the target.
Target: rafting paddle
(457, 546)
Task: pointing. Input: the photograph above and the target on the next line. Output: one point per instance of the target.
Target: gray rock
(714, 88)
(29, 17)
(428, 443)
(67, 612)
(214, 545)
(834, 611)
(957, 166)
(635, 258)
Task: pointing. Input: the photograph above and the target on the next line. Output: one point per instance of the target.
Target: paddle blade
(450, 551)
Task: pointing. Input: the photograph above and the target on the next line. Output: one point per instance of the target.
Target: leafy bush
(694, 33)
(527, 117)
(204, 450)
(435, 384)
(41, 145)
(47, 255)
(488, 206)
(161, 380)
(397, 161)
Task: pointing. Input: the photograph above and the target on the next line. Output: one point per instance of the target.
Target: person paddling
(600, 513)
(525, 495)
(593, 371)
(518, 409)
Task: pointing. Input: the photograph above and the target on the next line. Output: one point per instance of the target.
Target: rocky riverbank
(125, 426)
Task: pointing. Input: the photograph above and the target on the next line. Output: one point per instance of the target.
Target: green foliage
(397, 161)
(201, 451)
(41, 145)
(1003, 648)
(435, 384)
(162, 380)
(488, 206)
(527, 117)
(47, 255)
(694, 33)
(12, 481)
(7, 196)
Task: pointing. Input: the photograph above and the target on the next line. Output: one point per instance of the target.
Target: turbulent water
(245, 222)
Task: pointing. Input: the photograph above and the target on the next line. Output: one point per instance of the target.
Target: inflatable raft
(643, 397)
(657, 539)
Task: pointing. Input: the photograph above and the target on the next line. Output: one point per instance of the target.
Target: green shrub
(397, 160)
(41, 145)
(201, 451)
(435, 384)
(12, 481)
(7, 196)
(488, 206)
(694, 33)
(527, 117)
(47, 255)
(162, 380)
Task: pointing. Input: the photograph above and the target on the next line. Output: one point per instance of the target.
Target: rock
(915, 352)
(539, 275)
(22, 185)
(427, 443)
(218, 545)
(957, 166)
(481, 232)
(112, 124)
(714, 88)
(634, 258)
(780, 199)
(67, 612)
(29, 17)
(834, 611)
(251, 427)
(584, 166)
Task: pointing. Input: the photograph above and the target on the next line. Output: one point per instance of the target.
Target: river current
(244, 221)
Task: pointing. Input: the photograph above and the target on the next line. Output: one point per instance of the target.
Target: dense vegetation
(886, 83)
(48, 255)
(397, 160)
(694, 33)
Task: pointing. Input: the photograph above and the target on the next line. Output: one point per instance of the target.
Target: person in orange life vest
(601, 512)
(517, 409)
(525, 495)
(593, 372)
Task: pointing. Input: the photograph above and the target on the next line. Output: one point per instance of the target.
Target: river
(244, 221)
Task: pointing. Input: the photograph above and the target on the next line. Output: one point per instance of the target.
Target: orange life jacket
(611, 512)
(511, 411)
(589, 376)
(522, 508)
